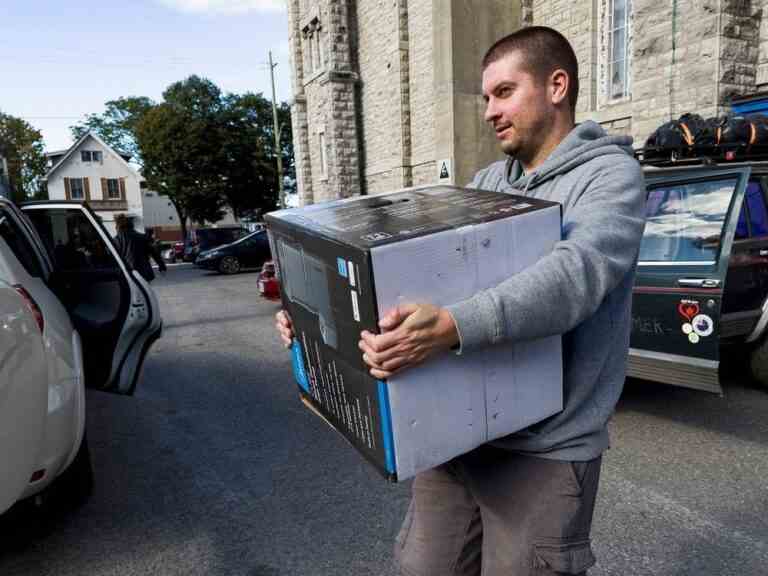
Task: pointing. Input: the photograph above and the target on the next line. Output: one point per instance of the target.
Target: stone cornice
(340, 77)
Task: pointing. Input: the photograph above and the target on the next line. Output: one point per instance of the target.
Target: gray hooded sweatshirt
(582, 290)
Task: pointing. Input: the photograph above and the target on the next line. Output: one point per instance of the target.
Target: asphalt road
(215, 468)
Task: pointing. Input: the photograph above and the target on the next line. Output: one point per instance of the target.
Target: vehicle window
(753, 218)
(19, 243)
(218, 236)
(742, 228)
(72, 240)
(755, 201)
(684, 221)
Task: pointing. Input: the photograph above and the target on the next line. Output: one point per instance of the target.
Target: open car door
(692, 216)
(112, 307)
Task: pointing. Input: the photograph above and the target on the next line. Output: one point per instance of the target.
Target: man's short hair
(543, 51)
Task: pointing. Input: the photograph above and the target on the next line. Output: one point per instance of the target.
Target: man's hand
(284, 327)
(411, 333)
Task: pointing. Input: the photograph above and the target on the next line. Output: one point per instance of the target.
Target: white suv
(72, 314)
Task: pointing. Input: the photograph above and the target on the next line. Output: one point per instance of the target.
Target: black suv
(702, 277)
(203, 239)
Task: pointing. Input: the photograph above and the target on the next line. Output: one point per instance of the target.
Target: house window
(85, 155)
(323, 155)
(113, 189)
(97, 156)
(76, 189)
(319, 55)
(315, 53)
(310, 50)
(618, 53)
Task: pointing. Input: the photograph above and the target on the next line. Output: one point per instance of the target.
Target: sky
(63, 59)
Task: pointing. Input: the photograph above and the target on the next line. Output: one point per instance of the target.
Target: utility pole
(278, 150)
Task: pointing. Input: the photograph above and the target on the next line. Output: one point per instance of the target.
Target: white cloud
(226, 6)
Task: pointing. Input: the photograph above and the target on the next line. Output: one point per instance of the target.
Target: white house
(93, 172)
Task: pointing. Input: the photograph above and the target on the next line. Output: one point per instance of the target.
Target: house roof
(57, 152)
(67, 153)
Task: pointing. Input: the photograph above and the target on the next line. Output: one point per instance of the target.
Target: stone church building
(387, 92)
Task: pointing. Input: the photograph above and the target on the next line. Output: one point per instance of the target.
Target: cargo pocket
(562, 557)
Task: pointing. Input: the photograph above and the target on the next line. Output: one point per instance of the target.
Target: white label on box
(355, 308)
(351, 272)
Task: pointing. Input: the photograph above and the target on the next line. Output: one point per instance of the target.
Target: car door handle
(699, 282)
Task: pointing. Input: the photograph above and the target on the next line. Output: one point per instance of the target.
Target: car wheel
(229, 265)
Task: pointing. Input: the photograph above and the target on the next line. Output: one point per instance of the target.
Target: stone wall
(379, 69)
(422, 92)
(400, 90)
(577, 22)
(761, 80)
(325, 105)
(740, 48)
(714, 56)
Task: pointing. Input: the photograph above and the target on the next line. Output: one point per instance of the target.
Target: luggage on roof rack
(692, 139)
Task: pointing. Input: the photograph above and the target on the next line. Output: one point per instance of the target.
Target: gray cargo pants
(492, 512)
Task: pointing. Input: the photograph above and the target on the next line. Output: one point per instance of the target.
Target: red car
(268, 282)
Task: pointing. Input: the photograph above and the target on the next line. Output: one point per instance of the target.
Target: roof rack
(701, 155)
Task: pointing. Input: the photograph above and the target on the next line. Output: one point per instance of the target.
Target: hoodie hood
(586, 141)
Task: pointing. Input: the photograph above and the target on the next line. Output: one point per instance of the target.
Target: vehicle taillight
(32, 305)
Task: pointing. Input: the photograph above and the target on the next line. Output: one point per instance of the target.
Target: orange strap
(717, 134)
(687, 134)
(752, 133)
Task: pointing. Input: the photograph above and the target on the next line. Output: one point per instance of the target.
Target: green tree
(117, 125)
(286, 147)
(249, 153)
(180, 145)
(206, 150)
(24, 151)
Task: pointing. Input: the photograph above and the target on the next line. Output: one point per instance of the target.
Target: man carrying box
(523, 504)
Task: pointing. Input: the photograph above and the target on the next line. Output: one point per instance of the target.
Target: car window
(218, 236)
(72, 240)
(19, 243)
(758, 217)
(742, 228)
(753, 218)
(684, 221)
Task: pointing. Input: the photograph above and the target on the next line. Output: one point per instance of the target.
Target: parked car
(701, 289)
(168, 255)
(74, 314)
(172, 252)
(268, 282)
(204, 239)
(178, 251)
(248, 252)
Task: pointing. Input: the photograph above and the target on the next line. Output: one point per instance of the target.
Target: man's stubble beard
(527, 144)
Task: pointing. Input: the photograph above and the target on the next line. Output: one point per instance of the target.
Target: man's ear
(559, 84)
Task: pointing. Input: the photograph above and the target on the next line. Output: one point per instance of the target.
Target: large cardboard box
(343, 264)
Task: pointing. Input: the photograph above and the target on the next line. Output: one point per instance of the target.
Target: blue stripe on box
(299, 372)
(386, 428)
